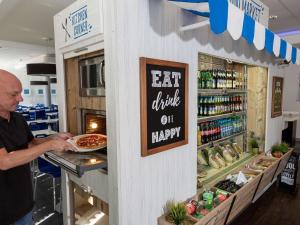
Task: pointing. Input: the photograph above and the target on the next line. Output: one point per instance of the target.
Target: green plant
(175, 213)
(283, 147)
(253, 143)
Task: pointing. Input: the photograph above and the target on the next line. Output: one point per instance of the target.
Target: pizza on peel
(91, 141)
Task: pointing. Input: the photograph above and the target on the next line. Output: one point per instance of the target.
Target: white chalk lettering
(155, 78)
(167, 79)
(164, 135)
(160, 103)
(176, 76)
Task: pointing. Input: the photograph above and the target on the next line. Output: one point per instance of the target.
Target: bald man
(17, 148)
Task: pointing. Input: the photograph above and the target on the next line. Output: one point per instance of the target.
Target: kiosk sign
(255, 9)
(80, 21)
(164, 103)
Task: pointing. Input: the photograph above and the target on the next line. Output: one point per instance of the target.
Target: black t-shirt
(16, 197)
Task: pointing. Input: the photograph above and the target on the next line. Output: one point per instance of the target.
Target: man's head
(10, 91)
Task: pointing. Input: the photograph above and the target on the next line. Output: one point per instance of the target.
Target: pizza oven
(93, 121)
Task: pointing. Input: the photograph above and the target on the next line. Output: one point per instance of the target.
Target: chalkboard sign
(288, 176)
(164, 105)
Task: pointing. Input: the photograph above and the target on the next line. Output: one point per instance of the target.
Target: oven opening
(94, 122)
(88, 209)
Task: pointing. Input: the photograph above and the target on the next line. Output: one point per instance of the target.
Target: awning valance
(224, 16)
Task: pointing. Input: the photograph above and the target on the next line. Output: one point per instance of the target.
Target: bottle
(199, 106)
(199, 79)
(215, 79)
(204, 103)
(233, 79)
(203, 80)
(199, 137)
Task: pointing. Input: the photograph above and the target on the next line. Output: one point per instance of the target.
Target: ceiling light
(273, 17)
(289, 33)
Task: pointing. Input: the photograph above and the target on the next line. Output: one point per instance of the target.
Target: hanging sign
(164, 105)
(255, 9)
(79, 21)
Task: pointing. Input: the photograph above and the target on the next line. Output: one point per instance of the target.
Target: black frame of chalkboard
(143, 105)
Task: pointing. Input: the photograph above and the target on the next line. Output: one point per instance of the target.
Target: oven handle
(102, 75)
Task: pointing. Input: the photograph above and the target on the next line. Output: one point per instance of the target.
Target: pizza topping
(92, 141)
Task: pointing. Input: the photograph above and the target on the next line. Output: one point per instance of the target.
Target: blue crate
(38, 126)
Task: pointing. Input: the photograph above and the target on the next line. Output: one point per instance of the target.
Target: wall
(15, 63)
(139, 187)
(291, 86)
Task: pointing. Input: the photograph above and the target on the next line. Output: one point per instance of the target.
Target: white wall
(15, 55)
(291, 94)
(139, 187)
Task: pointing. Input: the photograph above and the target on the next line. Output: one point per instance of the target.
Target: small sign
(288, 176)
(255, 9)
(26, 92)
(164, 105)
(40, 92)
(277, 89)
(81, 20)
(53, 91)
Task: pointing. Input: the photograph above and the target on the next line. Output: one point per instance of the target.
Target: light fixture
(273, 17)
(288, 33)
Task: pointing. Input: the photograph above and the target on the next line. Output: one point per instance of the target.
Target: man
(17, 148)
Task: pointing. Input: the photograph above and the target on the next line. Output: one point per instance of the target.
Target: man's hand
(60, 145)
(61, 136)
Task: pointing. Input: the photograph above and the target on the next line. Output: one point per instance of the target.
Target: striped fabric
(224, 16)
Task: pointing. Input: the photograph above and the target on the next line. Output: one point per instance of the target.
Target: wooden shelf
(220, 140)
(214, 175)
(221, 91)
(207, 118)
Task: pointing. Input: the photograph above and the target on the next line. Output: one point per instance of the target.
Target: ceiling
(31, 23)
(287, 12)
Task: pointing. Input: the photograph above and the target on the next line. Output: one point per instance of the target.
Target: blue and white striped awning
(226, 16)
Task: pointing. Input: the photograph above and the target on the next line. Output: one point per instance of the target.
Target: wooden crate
(162, 220)
(283, 161)
(223, 210)
(267, 178)
(243, 197)
(215, 217)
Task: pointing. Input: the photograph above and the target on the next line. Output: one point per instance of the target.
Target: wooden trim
(273, 113)
(229, 211)
(257, 187)
(143, 104)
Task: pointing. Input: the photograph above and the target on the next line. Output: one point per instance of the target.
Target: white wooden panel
(94, 182)
(139, 187)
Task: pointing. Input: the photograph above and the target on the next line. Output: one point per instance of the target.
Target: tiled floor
(43, 212)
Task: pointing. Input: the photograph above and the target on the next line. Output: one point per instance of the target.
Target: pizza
(91, 141)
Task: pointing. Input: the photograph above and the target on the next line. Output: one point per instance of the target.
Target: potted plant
(253, 144)
(279, 150)
(175, 213)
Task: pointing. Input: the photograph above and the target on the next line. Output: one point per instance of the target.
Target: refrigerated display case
(223, 118)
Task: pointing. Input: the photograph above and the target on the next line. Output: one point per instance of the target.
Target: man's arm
(58, 136)
(20, 157)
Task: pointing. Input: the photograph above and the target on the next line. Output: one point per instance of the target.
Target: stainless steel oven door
(92, 79)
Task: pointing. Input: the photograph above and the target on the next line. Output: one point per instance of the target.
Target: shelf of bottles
(222, 105)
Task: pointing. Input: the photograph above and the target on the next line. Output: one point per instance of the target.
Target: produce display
(218, 157)
(207, 201)
(228, 185)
